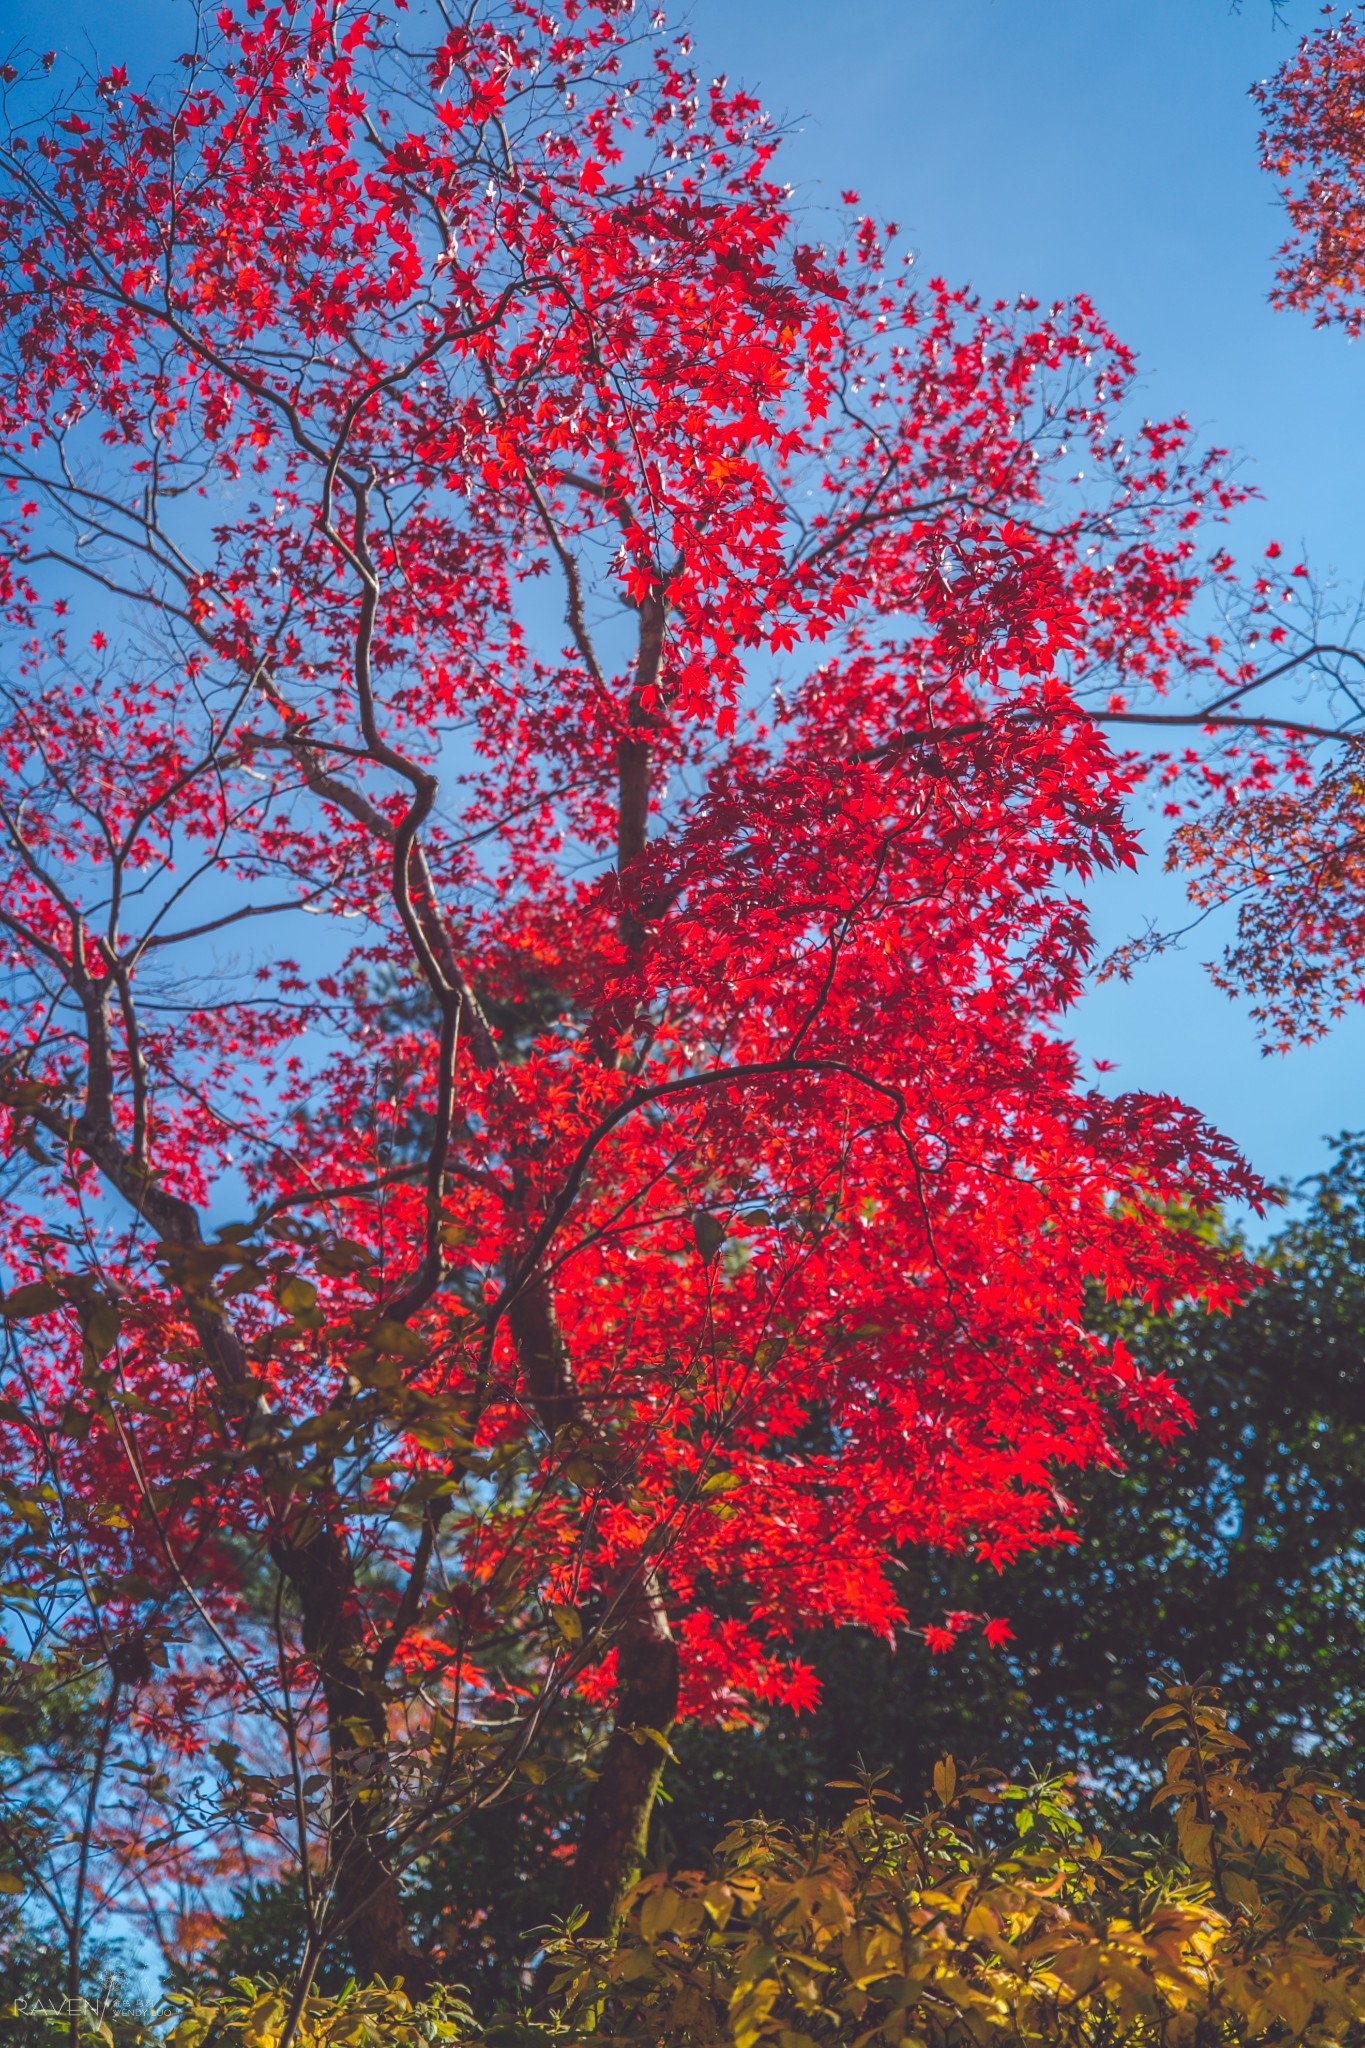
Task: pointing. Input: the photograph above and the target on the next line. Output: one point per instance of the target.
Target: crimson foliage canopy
(543, 794)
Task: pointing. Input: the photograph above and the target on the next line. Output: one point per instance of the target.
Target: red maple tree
(549, 1153)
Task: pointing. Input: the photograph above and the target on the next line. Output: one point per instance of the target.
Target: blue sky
(1054, 146)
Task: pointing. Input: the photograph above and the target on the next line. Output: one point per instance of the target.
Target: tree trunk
(612, 1847)
(613, 1844)
(368, 1900)
(611, 1851)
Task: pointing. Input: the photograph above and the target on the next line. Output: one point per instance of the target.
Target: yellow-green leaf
(568, 1621)
(945, 1779)
(297, 1296)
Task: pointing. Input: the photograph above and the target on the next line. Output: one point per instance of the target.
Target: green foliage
(50, 1710)
(262, 1936)
(34, 2008)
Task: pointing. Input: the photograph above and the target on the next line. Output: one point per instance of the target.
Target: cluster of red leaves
(1314, 143)
(318, 375)
(1293, 860)
(1267, 798)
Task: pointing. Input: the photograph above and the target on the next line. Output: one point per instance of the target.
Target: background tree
(760, 1198)
(1267, 796)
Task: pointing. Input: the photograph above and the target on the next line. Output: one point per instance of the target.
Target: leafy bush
(251, 2015)
(996, 1917)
